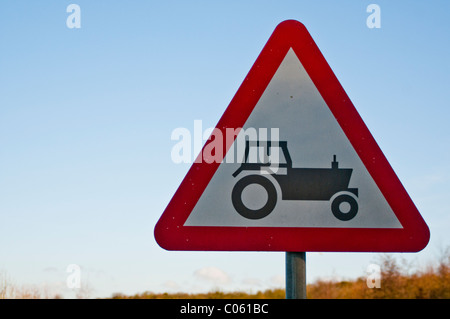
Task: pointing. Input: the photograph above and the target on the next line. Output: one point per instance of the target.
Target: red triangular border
(414, 236)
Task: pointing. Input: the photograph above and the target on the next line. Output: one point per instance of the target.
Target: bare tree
(6, 286)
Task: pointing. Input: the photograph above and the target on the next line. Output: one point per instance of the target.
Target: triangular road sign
(303, 174)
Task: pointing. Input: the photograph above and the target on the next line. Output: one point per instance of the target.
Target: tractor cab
(265, 156)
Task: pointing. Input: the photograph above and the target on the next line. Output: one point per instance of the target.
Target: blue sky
(86, 117)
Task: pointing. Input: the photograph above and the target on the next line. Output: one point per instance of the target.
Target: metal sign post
(295, 275)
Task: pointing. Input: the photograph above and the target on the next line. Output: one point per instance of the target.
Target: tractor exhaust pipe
(334, 163)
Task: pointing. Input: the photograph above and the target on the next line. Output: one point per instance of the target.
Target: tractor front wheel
(344, 207)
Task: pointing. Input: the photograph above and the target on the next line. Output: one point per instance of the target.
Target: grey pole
(295, 275)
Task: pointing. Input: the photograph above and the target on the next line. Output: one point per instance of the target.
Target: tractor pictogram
(314, 184)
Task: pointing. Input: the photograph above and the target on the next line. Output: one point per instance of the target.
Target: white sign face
(325, 185)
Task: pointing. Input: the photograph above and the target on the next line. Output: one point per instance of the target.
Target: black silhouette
(295, 184)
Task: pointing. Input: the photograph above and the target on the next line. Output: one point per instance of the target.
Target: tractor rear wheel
(238, 203)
